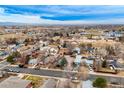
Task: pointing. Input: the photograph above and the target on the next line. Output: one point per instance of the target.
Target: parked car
(22, 66)
(37, 68)
(10, 70)
(15, 70)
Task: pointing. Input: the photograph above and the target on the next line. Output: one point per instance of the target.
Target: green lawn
(36, 80)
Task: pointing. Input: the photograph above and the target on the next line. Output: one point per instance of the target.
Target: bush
(63, 62)
(100, 83)
(74, 64)
(16, 54)
(10, 59)
(104, 64)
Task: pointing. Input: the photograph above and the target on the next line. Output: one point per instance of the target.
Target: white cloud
(20, 18)
(36, 19)
(69, 10)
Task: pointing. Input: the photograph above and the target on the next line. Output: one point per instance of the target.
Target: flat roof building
(15, 82)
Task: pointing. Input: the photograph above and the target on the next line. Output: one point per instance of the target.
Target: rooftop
(14, 82)
(78, 59)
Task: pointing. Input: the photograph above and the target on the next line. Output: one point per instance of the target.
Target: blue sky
(63, 14)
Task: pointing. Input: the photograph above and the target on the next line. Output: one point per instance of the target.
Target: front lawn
(36, 80)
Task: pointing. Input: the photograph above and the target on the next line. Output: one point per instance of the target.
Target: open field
(18, 36)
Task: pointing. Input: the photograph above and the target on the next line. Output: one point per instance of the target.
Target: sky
(63, 14)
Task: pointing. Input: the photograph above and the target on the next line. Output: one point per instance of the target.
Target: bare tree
(101, 52)
(83, 73)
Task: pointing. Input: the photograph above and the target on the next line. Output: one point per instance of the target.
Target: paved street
(42, 72)
(113, 78)
(64, 74)
(3, 64)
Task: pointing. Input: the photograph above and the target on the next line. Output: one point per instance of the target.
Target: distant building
(112, 34)
(15, 82)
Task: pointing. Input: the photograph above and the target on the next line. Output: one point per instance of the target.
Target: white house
(77, 49)
(32, 61)
(78, 59)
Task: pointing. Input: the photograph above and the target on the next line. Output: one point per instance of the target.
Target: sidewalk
(103, 74)
(58, 70)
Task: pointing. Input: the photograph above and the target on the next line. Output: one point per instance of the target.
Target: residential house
(78, 59)
(112, 34)
(77, 49)
(33, 61)
(63, 51)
